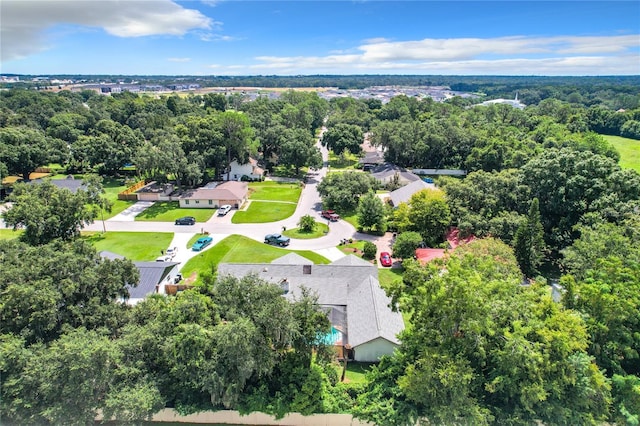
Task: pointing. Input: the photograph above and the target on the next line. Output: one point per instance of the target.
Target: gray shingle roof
(292, 259)
(386, 170)
(402, 195)
(349, 282)
(151, 274)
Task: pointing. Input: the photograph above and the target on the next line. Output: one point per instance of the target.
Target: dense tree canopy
(484, 349)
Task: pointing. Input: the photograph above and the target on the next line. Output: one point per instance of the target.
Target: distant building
(512, 102)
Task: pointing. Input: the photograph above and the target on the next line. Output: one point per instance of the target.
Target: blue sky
(235, 37)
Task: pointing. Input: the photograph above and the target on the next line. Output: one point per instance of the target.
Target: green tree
(298, 149)
(371, 214)
(67, 285)
(64, 383)
(369, 250)
(483, 349)
(529, 242)
(46, 212)
(429, 215)
(343, 137)
(342, 191)
(237, 136)
(23, 150)
(406, 243)
(307, 223)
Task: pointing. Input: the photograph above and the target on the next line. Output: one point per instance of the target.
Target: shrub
(369, 250)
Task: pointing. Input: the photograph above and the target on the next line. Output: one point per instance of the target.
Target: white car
(163, 258)
(223, 210)
(171, 252)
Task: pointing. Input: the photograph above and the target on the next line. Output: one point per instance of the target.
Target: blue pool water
(331, 338)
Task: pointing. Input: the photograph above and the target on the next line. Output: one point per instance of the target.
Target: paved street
(220, 227)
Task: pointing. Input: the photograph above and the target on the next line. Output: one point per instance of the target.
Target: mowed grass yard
(9, 234)
(629, 150)
(169, 211)
(135, 246)
(275, 191)
(240, 249)
(270, 202)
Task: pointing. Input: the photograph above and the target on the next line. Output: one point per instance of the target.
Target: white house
(251, 170)
(349, 291)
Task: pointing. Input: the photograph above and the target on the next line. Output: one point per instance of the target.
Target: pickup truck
(330, 215)
(277, 239)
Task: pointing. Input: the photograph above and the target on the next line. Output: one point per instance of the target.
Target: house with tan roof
(214, 194)
(363, 322)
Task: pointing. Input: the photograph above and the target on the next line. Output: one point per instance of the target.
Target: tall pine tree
(529, 243)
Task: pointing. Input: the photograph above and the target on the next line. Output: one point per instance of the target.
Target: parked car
(277, 239)
(330, 215)
(187, 220)
(223, 210)
(201, 243)
(385, 259)
(163, 258)
(172, 251)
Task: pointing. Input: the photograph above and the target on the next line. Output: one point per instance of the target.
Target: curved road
(309, 203)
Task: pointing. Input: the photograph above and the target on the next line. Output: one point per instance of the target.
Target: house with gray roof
(348, 289)
(403, 195)
(387, 172)
(214, 195)
(153, 277)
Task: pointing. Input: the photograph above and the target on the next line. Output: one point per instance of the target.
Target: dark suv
(278, 239)
(187, 220)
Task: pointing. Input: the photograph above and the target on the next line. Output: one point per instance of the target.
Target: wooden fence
(129, 194)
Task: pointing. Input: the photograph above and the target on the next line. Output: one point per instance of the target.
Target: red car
(385, 259)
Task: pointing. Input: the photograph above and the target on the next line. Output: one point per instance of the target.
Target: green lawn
(9, 234)
(356, 371)
(264, 211)
(338, 162)
(351, 217)
(320, 231)
(169, 211)
(240, 249)
(629, 150)
(112, 186)
(387, 276)
(275, 191)
(137, 246)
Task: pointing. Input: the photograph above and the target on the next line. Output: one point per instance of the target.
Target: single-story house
(362, 320)
(371, 159)
(251, 170)
(386, 173)
(153, 277)
(212, 197)
(403, 195)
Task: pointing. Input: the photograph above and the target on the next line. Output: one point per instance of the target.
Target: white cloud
(570, 55)
(23, 22)
(178, 59)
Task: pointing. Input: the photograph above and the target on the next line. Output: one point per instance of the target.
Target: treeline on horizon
(490, 86)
